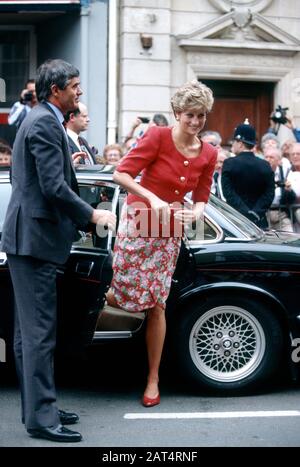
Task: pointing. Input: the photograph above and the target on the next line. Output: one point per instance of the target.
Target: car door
(6, 291)
(85, 278)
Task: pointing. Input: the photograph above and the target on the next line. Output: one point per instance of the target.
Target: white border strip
(215, 415)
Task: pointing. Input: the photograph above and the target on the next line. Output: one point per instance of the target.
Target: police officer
(248, 181)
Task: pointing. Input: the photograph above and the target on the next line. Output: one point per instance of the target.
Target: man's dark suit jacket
(43, 211)
(87, 148)
(248, 185)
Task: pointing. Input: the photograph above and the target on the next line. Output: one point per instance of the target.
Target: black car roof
(105, 171)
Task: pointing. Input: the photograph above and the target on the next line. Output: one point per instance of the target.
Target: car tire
(229, 344)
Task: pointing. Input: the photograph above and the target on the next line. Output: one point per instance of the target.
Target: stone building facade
(133, 54)
(231, 45)
(32, 31)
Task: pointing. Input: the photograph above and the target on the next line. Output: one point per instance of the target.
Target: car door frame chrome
(215, 227)
(3, 258)
(105, 335)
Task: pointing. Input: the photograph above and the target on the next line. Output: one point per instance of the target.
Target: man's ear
(54, 90)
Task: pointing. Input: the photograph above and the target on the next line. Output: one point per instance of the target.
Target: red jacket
(166, 172)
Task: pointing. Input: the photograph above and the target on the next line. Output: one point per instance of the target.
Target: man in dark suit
(77, 121)
(248, 181)
(37, 236)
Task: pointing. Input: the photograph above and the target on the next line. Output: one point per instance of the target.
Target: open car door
(86, 276)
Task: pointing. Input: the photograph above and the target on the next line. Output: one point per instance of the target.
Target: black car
(233, 311)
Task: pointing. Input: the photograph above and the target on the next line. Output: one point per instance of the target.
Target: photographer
(279, 117)
(157, 120)
(284, 197)
(21, 108)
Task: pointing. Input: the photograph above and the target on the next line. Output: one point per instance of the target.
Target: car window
(5, 190)
(235, 218)
(202, 231)
(100, 196)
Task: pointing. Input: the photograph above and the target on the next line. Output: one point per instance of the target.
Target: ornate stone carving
(254, 5)
(239, 59)
(241, 29)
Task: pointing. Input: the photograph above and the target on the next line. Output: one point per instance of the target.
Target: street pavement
(107, 398)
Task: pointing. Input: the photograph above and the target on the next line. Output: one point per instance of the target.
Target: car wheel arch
(232, 287)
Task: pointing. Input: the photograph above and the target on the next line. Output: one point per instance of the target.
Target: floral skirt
(143, 267)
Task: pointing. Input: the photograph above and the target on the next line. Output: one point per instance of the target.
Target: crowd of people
(276, 200)
(282, 213)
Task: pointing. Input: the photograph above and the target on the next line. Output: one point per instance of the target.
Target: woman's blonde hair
(192, 94)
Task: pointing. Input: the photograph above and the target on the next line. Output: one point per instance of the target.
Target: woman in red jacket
(173, 162)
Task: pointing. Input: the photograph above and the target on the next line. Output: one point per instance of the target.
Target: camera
(144, 119)
(279, 115)
(28, 96)
(280, 184)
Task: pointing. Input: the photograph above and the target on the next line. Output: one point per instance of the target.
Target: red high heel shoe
(151, 401)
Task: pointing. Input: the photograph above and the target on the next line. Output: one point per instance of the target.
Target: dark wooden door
(237, 100)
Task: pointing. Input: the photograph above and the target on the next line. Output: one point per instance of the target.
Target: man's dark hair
(160, 120)
(29, 81)
(248, 146)
(5, 149)
(52, 72)
(70, 112)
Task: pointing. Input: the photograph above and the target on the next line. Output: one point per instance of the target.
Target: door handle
(84, 268)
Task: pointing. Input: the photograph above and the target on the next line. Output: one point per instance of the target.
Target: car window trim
(215, 227)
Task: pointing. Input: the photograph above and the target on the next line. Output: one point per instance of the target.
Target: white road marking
(194, 415)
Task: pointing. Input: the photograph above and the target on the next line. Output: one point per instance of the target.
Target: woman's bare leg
(110, 298)
(155, 337)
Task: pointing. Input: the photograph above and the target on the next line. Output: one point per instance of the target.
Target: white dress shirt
(74, 137)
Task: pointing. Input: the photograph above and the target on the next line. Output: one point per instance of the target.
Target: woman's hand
(161, 208)
(188, 216)
(185, 216)
(198, 210)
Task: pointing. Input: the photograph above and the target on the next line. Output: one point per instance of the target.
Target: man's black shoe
(67, 418)
(59, 434)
